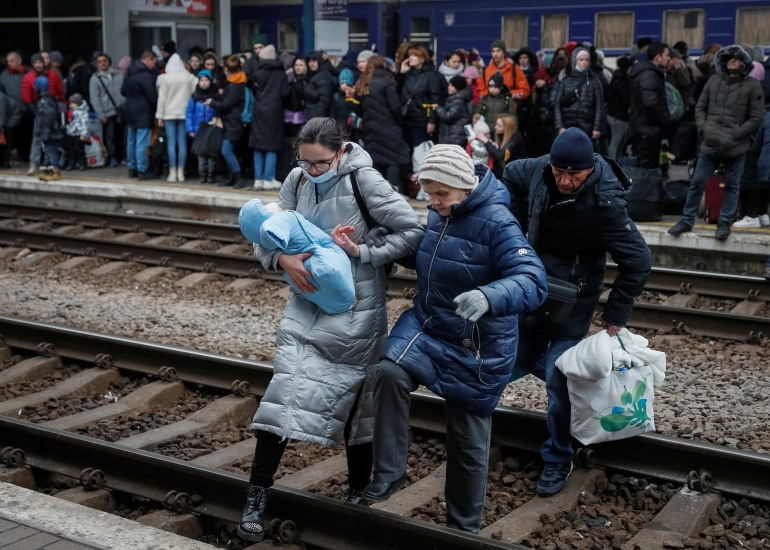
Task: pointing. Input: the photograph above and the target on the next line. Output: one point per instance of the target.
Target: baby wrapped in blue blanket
(290, 232)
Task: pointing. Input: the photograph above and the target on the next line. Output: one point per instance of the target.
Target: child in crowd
(455, 113)
(343, 104)
(508, 144)
(49, 128)
(77, 133)
(198, 113)
(471, 76)
(496, 103)
(476, 148)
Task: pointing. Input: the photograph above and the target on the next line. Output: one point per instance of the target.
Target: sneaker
(259, 185)
(748, 221)
(251, 527)
(680, 227)
(722, 232)
(32, 170)
(180, 174)
(171, 175)
(271, 185)
(554, 478)
(764, 220)
(113, 163)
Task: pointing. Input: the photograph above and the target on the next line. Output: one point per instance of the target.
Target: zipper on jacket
(409, 345)
(430, 268)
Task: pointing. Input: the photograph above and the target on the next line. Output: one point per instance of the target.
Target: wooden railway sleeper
(92, 479)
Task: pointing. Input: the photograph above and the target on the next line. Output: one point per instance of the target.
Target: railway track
(676, 315)
(200, 487)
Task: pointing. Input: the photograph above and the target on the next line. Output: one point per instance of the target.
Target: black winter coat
(649, 107)
(573, 237)
(766, 84)
(730, 110)
(380, 112)
(453, 117)
(423, 87)
(229, 108)
(295, 100)
(78, 82)
(141, 96)
(271, 87)
(619, 96)
(587, 111)
(319, 91)
(515, 149)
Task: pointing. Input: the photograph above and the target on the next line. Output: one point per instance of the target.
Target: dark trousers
(755, 202)
(113, 138)
(704, 169)
(23, 136)
(467, 446)
(76, 152)
(646, 149)
(270, 449)
(5, 150)
(51, 149)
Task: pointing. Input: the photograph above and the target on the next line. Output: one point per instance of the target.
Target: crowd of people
(657, 106)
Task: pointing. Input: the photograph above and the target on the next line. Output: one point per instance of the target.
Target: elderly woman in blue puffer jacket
(476, 273)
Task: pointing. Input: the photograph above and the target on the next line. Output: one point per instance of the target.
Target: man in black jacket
(141, 102)
(650, 119)
(571, 205)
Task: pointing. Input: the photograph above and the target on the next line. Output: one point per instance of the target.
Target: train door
(418, 27)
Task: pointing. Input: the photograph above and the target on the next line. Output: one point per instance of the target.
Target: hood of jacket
(269, 65)
(573, 61)
(533, 61)
(354, 158)
(138, 67)
(174, 64)
(724, 55)
(448, 72)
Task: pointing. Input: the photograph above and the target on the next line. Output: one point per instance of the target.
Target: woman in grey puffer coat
(324, 364)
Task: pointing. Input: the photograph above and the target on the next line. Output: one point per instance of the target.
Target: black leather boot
(204, 177)
(252, 525)
(238, 183)
(380, 491)
(354, 496)
(228, 183)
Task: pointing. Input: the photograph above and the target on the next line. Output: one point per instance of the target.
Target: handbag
(405, 106)
(561, 300)
(208, 140)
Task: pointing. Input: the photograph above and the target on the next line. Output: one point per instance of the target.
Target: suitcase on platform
(713, 198)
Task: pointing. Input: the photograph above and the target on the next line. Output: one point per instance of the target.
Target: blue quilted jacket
(478, 246)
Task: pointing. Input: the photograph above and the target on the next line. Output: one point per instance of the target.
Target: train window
(614, 30)
(555, 30)
(421, 31)
(753, 26)
(687, 25)
(247, 31)
(358, 34)
(515, 29)
(287, 35)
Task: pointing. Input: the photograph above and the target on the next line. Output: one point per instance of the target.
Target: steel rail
(735, 471)
(738, 287)
(323, 522)
(661, 279)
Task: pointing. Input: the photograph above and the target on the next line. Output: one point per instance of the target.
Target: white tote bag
(612, 408)
(419, 153)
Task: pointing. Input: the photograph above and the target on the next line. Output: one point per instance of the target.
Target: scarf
(237, 78)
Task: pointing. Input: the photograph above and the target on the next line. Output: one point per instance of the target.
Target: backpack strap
(370, 223)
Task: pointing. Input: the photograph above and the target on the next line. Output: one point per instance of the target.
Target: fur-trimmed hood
(728, 52)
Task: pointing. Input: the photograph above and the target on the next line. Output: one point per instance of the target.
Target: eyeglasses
(322, 166)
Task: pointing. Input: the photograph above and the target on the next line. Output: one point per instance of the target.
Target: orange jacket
(519, 88)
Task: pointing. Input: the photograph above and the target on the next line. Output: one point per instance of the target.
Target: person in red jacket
(29, 97)
(513, 76)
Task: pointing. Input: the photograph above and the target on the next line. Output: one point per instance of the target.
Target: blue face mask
(323, 178)
(578, 69)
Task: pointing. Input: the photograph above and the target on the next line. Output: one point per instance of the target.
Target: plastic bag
(94, 125)
(419, 153)
(95, 152)
(613, 408)
(290, 232)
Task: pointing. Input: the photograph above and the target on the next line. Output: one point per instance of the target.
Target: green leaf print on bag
(632, 413)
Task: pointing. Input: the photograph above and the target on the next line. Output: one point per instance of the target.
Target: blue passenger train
(539, 24)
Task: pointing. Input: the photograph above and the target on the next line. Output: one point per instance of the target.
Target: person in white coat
(176, 87)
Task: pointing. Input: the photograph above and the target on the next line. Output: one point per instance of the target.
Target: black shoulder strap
(370, 223)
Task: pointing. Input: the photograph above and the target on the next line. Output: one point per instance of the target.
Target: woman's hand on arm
(294, 266)
(340, 236)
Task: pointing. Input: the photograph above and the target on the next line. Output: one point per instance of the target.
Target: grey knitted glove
(471, 305)
(376, 237)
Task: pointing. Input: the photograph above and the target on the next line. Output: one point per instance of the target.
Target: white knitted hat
(450, 165)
